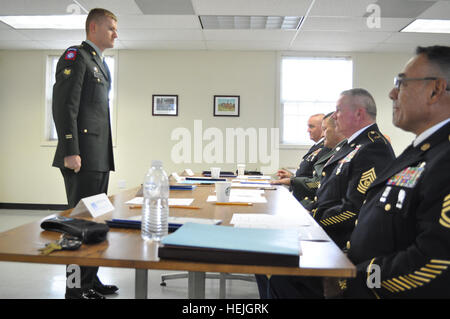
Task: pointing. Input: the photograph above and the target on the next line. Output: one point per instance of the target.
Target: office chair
(221, 276)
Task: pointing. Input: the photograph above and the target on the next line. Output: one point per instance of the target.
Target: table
(125, 248)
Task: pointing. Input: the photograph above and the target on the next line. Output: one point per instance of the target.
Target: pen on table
(235, 204)
(170, 206)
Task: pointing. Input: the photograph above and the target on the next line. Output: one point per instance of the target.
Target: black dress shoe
(105, 289)
(87, 294)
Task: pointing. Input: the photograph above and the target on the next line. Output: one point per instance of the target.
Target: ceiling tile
(160, 35)
(353, 24)
(158, 22)
(118, 7)
(402, 8)
(34, 7)
(251, 7)
(340, 37)
(165, 6)
(440, 10)
(341, 8)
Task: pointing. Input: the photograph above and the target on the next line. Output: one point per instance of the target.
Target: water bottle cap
(157, 163)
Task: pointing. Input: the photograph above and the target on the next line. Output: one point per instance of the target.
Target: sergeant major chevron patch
(366, 179)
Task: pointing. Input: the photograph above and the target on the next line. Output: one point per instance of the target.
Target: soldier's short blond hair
(98, 14)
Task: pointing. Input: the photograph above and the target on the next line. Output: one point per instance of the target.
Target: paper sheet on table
(172, 201)
(257, 177)
(307, 231)
(269, 221)
(240, 185)
(240, 199)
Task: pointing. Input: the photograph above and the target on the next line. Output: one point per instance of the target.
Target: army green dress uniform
(305, 188)
(82, 119)
(345, 179)
(403, 229)
(306, 166)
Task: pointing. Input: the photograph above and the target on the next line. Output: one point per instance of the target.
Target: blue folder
(232, 245)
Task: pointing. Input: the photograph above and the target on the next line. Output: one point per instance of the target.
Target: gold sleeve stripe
(424, 274)
(447, 197)
(438, 272)
(418, 283)
(436, 266)
(419, 278)
(386, 286)
(440, 261)
(407, 281)
(446, 203)
(401, 283)
(337, 219)
(395, 285)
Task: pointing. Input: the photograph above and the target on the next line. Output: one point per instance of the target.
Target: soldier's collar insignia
(67, 71)
(425, 147)
(374, 135)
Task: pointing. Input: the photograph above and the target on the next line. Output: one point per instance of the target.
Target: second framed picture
(226, 105)
(165, 105)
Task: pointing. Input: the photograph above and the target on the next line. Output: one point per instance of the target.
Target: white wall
(26, 175)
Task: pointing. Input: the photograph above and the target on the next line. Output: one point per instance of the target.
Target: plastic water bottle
(155, 209)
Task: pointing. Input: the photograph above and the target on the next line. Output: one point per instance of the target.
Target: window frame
(279, 114)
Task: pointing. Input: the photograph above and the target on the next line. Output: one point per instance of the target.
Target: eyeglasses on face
(398, 80)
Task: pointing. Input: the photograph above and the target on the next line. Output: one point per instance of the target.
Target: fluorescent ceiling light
(428, 26)
(68, 21)
(250, 22)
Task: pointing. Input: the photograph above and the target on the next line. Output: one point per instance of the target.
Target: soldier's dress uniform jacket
(345, 179)
(305, 188)
(306, 166)
(81, 109)
(404, 226)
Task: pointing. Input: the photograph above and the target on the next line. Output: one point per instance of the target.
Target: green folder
(232, 245)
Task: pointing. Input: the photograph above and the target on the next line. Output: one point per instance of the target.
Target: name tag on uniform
(407, 177)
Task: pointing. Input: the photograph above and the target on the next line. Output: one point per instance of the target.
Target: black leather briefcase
(88, 232)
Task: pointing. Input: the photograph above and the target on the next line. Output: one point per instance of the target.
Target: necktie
(107, 69)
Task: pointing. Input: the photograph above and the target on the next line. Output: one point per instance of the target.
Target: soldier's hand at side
(73, 162)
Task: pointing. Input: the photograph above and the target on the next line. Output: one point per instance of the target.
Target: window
(52, 61)
(310, 86)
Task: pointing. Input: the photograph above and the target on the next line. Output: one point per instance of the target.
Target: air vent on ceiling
(250, 22)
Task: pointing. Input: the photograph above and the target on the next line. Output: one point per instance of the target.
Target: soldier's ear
(439, 88)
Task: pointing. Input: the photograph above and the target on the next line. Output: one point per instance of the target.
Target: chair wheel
(163, 284)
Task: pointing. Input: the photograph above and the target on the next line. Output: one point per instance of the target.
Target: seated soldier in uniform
(345, 179)
(304, 188)
(401, 244)
(307, 163)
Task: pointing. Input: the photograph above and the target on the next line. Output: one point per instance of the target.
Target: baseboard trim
(33, 206)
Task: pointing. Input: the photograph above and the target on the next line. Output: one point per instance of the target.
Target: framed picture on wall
(165, 105)
(226, 105)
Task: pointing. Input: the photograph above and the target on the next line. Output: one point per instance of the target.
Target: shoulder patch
(71, 54)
